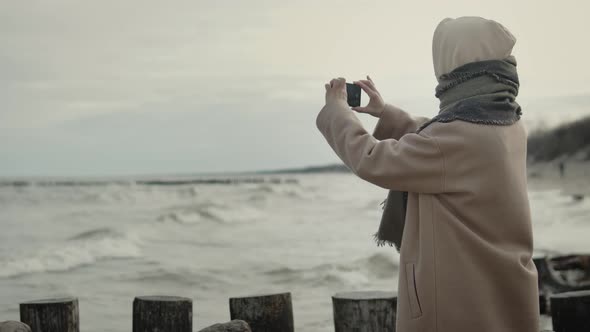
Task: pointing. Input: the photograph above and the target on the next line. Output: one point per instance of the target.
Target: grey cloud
(149, 86)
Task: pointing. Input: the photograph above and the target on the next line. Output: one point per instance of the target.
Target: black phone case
(354, 94)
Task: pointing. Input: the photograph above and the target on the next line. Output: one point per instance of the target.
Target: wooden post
(364, 311)
(542, 272)
(51, 315)
(162, 314)
(543, 303)
(570, 311)
(264, 312)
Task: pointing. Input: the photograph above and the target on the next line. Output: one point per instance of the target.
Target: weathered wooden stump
(235, 325)
(51, 315)
(542, 270)
(14, 326)
(264, 312)
(364, 311)
(570, 311)
(543, 303)
(162, 314)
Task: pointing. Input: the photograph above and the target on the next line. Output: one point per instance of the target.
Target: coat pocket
(415, 308)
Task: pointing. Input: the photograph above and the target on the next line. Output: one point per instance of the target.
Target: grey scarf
(482, 92)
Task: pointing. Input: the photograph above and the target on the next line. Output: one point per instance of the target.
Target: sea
(210, 238)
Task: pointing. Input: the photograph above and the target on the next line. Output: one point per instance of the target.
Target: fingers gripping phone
(354, 94)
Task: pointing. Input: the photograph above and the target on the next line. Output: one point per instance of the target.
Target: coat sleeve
(395, 123)
(413, 163)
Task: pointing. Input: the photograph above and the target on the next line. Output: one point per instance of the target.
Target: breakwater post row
(359, 311)
(369, 311)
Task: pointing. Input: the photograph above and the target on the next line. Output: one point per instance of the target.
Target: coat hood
(468, 39)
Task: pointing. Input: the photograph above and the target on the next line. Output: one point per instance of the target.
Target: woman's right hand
(376, 104)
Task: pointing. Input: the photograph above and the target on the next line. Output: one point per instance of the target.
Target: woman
(466, 255)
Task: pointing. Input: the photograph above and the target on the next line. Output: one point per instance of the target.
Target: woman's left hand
(336, 91)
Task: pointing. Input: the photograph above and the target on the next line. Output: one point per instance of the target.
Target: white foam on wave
(211, 211)
(105, 195)
(356, 272)
(286, 190)
(79, 251)
(237, 214)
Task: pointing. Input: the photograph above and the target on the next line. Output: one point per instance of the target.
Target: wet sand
(575, 182)
(576, 179)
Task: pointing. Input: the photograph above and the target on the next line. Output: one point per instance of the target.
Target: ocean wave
(194, 213)
(73, 195)
(380, 264)
(187, 192)
(360, 271)
(285, 190)
(154, 182)
(184, 217)
(60, 183)
(96, 233)
(220, 180)
(231, 180)
(140, 192)
(321, 275)
(83, 249)
(258, 198)
(210, 211)
(176, 277)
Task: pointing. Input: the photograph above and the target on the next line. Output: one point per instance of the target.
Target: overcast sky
(137, 86)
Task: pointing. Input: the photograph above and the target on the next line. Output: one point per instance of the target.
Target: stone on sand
(235, 325)
(14, 326)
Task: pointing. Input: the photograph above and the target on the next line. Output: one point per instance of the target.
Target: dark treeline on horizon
(564, 141)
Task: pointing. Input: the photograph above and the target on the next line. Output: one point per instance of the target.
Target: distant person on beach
(466, 256)
(561, 168)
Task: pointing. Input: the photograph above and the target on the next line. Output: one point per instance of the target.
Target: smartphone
(354, 94)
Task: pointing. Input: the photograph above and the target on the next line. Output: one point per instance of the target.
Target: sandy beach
(576, 179)
(575, 182)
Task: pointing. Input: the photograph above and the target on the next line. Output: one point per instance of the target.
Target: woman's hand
(336, 91)
(376, 104)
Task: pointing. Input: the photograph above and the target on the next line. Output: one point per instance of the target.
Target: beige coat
(465, 260)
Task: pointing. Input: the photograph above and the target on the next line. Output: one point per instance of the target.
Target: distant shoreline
(16, 180)
(331, 168)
